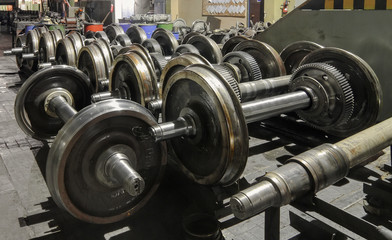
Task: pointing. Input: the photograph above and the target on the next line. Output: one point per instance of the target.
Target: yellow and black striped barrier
(349, 4)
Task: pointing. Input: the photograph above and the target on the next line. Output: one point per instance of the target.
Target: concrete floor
(27, 211)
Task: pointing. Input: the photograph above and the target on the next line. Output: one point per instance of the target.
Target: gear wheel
(159, 63)
(250, 70)
(332, 97)
(229, 77)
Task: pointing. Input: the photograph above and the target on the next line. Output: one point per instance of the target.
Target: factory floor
(28, 212)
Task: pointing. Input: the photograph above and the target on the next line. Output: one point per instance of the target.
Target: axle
(118, 166)
(13, 51)
(29, 56)
(254, 111)
(311, 171)
(263, 87)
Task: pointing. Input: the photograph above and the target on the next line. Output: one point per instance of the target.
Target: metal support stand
(272, 224)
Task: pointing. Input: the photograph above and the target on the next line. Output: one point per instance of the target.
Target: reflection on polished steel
(180, 127)
(263, 87)
(118, 168)
(311, 171)
(269, 107)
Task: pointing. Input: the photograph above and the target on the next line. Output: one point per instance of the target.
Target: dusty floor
(27, 211)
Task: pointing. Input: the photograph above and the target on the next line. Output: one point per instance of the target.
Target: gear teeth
(348, 95)
(159, 61)
(249, 61)
(229, 77)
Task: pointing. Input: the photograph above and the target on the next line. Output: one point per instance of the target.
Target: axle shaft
(264, 87)
(311, 171)
(265, 108)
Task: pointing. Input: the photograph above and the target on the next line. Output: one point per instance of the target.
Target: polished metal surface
(264, 88)
(30, 111)
(118, 167)
(29, 56)
(74, 166)
(311, 171)
(61, 106)
(182, 126)
(101, 96)
(269, 107)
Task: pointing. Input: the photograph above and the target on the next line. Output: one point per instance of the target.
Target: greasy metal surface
(364, 83)
(29, 104)
(217, 153)
(72, 161)
(207, 48)
(293, 54)
(364, 33)
(268, 59)
(133, 77)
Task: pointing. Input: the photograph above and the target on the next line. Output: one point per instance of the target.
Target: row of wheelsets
(111, 136)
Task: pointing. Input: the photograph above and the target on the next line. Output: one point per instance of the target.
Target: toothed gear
(244, 60)
(229, 77)
(159, 63)
(335, 98)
